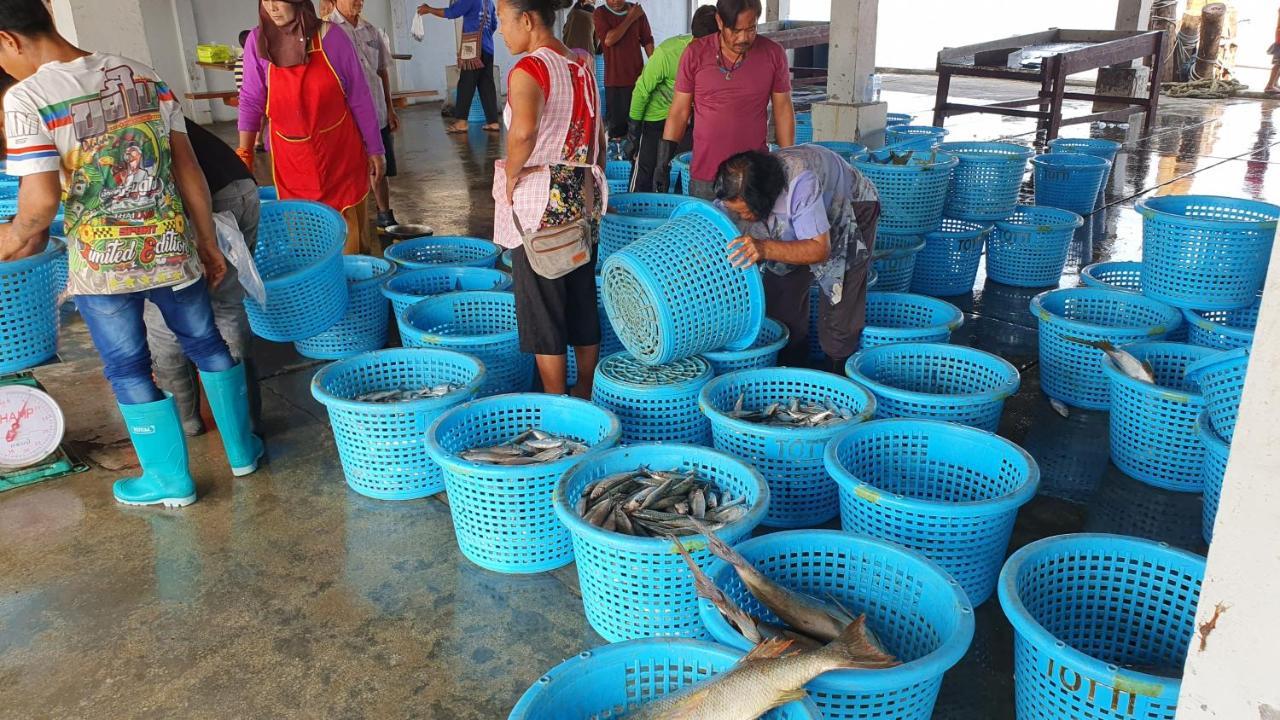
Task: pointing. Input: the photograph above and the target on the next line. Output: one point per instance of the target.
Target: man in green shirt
(652, 98)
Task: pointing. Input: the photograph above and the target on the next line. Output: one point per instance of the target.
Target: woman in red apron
(323, 131)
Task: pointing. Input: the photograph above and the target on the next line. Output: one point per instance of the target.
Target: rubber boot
(156, 432)
(228, 394)
(180, 381)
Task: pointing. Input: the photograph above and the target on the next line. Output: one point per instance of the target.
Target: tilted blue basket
(1088, 611)
(986, 181)
(892, 119)
(935, 381)
(636, 587)
(763, 353)
(410, 286)
(912, 196)
(1029, 248)
(383, 446)
(478, 322)
(654, 403)
(614, 680)
(1122, 275)
(1221, 380)
(631, 216)
(425, 252)
(913, 606)
(948, 263)
(804, 128)
(947, 490)
(789, 458)
(267, 193)
(894, 260)
(299, 256)
(1071, 371)
(1216, 453)
(1153, 427)
(673, 293)
(903, 317)
(29, 292)
(1206, 252)
(1069, 181)
(920, 138)
(1222, 329)
(503, 516)
(364, 327)
(843, 148)
(681, 169)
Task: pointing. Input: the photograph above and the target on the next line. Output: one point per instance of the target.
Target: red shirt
(624, 61)
(731, 114)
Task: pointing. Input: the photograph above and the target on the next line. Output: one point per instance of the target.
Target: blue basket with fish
(986, 181)
(616, 680)
(383, 444)
(1153, 426)
(893, 119)
(1122, 275)
(1029, 248)
(1222, 329)
(29, 290)
(503, 515)
(916, 610)
(843, 148)
(912, 196)
(804, 128)
(364, 327)
(267, 193)
(920, 138)
(408, 287)
(681, 169)
(299, 256)
(894, 260)
(1071, 319)
(636, 587)
(479, 322)
(953, 496)
(425, 252)
(673, 293)
(654, 403)
(1221, 380)
(1216, 453)
(1102, 626)
(948, 262)
(936, 381)
(631, 216)
(894, 317)
(763, 353)
(1206, 252)
(1069, 181)
(816, 353)
(789, 457)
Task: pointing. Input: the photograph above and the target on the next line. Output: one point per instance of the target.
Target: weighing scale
(31, 432)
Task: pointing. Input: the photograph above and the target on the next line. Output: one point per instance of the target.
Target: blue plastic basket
(893, 119)
(935, 381)
(921, 138)
(654, 403)
(912, 196)
(1097, 147)
(985, 183)
(763, 353)
(904, 317)
(673, 294)
(1206, 252)
(1121, 275)
(1071, 372)
(804, 128)
(789, 458)
(1069, 181)
(364, 327)
(1153, 427)
(600, 93)
(1029, 248)
(503, 516)
(29, 292)
(383, 446)
(843, 148)
(1216, 454)
(1221, 380)
(631, 216)
(947, 490)
(1090, 614)
(299, 256)
(425, 252)
(895, 260)
(618, 170)
(913, 606)
(410, 286)
(948, 263)
(504, 261)
(640, 587)
(681, 171)
(611, 681)
(268, 192)
(1222, 329)
(478, 322)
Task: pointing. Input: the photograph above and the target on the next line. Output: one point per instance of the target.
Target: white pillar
(852, 59)
(777, 10)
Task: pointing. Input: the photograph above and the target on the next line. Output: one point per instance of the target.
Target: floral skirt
(567, 201)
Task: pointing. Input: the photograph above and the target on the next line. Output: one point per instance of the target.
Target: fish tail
(857, 648)
(707, 589)
(718, 547)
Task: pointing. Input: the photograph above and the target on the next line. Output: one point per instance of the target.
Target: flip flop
(492, 127)
(456, 129)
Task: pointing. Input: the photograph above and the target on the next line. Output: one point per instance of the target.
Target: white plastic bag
(231, 243)
(418, 30)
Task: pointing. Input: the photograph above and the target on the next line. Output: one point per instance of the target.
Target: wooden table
(229, 97)
(227, 66)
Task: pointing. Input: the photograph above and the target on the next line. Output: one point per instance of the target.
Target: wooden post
(1227, 48)
(1211, 20)
(1188, 36)
(1164, 19)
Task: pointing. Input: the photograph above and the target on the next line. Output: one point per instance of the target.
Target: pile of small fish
(530, 447)
(405, 394)
(793, 413)
(654, 503)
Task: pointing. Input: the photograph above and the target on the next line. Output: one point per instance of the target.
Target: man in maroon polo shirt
(623, 30)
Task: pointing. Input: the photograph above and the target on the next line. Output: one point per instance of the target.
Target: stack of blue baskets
(29, 290)
(987, 179)
(912, 198)
(1097, 147)
(1071, 181)
(618, 174)
(920, 138)
(299, 256)
(456, 250)
(804, 128)
(478, 322)
(1221, 380)
(681, 169)
(1222, 329)
(364, 326)
(631, 216)
(654, 403)
(895, 260)
(894, 119)
(1029, 248)
(948, 262)
(408, 287)
(600, 81)
(904, 317)
(763, 353)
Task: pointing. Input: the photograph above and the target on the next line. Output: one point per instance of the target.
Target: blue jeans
(115, 324)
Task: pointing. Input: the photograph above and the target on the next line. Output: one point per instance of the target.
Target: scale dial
(31, 426)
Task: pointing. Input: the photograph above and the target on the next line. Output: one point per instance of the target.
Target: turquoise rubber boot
(228, 394)
(156, 432)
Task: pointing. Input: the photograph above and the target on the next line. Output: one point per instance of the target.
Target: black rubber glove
(662, 168)
(632, 143)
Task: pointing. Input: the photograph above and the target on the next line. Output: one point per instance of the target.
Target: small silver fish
(527, 448)
(656, 503)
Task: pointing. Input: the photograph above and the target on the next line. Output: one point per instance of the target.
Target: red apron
(317, 152)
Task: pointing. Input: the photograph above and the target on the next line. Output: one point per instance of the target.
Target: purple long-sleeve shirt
(342, 56)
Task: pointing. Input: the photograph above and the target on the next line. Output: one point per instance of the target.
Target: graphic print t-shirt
(103, 122)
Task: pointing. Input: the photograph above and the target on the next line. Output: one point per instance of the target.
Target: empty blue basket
(268, 192)
(681, 168)
(816, 353)
(947, 490)
(894, 259)
(1216, 453)
(479, 322)
(986, 181)
(804, 128)
(936, 381)
(299, 256)
(1069, 181)
(913, 606)
(612, 681)
(425, 252)
(1092, 616)
(1222, 329)
(503, 516)
(843, 148)
(948, 263)
(618, 174)
(410, 286)
(912, 196)
(763, 353)
(1122, 275)
(631, 216)
(1029, 248)
(600, 81)
(920, 138)
(1221, 379)
(654, 403)
(892, 119)
(904, 317)
(29, 292)
(364, 326)
(383, 446)
(789, 458)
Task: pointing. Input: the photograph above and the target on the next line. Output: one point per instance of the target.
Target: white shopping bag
(231, 243)
(418, 31)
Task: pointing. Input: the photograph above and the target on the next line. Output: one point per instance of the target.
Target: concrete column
(777, 10)
(852, 59)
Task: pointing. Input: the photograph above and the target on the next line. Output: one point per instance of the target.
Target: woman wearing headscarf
(323, 133)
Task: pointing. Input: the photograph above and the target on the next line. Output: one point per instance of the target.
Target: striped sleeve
(30, 144)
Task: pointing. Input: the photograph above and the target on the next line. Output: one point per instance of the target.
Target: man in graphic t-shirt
(623, 30)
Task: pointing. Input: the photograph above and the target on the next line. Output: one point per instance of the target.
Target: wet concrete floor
(285, 594)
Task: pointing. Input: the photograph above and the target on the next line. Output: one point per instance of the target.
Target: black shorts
(389, 143)
(555, 314)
